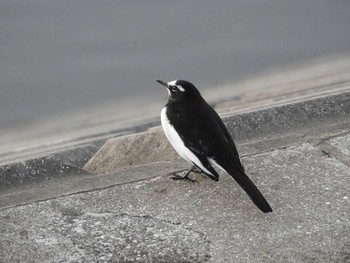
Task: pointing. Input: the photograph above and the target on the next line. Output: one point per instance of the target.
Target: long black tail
(253, 192)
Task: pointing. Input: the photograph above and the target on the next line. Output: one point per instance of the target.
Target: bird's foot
(176, 176)
(193, 169)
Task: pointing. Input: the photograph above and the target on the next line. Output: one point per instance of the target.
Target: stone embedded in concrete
(136, 149)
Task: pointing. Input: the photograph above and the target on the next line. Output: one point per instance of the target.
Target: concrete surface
(296, 151)
(138, 214)
(161, 220)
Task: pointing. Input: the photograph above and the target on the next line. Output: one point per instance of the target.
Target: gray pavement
(160, 220)
(137, 214)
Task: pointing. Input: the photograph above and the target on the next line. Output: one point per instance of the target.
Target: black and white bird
(199, 136)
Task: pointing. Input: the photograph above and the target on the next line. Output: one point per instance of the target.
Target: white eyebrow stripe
(172, 83)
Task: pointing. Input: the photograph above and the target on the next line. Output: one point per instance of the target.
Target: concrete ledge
(59, 160)
(35, 170)
(152, 146)
(301, 164)
(289, 117)
(47, 167)
(41, 190)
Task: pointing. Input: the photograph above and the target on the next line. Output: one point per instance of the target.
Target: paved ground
(79, 196)
(160, 220)
(138, 214)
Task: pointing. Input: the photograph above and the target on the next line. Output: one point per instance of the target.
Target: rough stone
(136, 149)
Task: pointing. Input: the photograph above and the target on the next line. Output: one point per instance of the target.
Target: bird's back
(203, 131)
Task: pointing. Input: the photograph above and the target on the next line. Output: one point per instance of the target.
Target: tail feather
(253, 192)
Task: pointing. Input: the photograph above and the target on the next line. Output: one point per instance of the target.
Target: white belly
(177, 143)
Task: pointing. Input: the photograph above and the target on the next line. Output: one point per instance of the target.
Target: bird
(197, 133)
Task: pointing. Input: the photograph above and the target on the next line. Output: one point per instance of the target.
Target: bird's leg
(194, 169)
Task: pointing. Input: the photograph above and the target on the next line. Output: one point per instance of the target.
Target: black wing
(233, 166)
(226, 134)
(192, 132)
(204, 133)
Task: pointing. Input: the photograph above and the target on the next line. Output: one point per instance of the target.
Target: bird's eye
(173, 89)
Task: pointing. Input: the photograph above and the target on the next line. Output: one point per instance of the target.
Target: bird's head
(180, 89)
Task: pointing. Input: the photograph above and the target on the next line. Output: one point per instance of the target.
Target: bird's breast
(173, 136)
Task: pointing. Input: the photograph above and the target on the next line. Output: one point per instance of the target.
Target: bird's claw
(175, 176)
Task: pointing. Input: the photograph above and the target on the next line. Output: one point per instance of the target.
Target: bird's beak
(162, 83)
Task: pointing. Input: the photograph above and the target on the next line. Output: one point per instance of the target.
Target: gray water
(64, 55)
